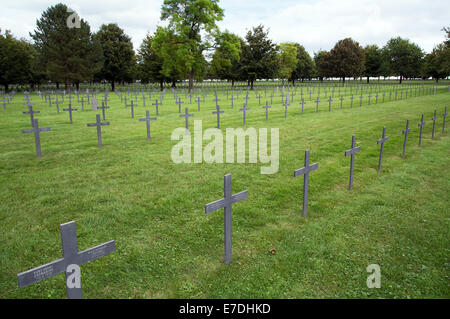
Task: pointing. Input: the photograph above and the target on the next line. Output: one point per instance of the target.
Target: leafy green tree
(192, 29)
(118, 55)
(149, 63)
(374, 61)
(405, 58)
(287, 60)
(69, 53)
(347, 59)
(323, 64)
(305, 68)
(227, 55)
(259, 56)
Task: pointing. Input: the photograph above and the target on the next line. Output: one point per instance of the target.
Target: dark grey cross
(434, 124)
(179, 104)
(132, 109)
(305, 172)
(381, 141)
(157, 104)
(198, 104)
(70, 110)
(70, 263)
(99, 125)
(31, 112)
(227, 203)
(351, 101)
(329, 104)
(405, 132)
(143, 99)
(351, 152)
(360, 100)
(218, 112)
(36, 130)
(317, 104)
(82, 104)
(186, 115)
(148, 119)
(57, 104)
(245, 109)
(421, 125)
(103, 108)
(286, 106)
(303, 104)
(444, 116)
(267, 107)
(376, 98)
(342, 100)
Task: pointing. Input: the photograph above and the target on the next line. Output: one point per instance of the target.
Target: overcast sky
(316, 24)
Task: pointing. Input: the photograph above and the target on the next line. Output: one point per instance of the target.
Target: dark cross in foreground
(434, 124)
(103, 108)
(305, 172)
(99, 125)
(227, 203)
(421, 125)
(218, 112)
(36, 130)
(245, 109)
(267, 107)
(381, 141)
(445, 116)
(186, 115)
(148, 119)
(70, 263)
(70, 110)
(405, 132)
(351, 152)
(31, 112)
(157, 104)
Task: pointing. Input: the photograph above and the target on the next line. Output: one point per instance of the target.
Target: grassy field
(132, 192)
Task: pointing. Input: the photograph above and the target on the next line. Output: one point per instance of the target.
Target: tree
(188, 19)
(374, 61)
(405, 58)
(347, 59)
(434, 62)
(226, 57)
(287, 60)
(150, 63)
(118, 54)
(259, 56)
(323, 64)
(305, 68)
(69, 53)
(16, 59)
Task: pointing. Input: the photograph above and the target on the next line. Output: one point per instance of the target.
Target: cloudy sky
(316, 24)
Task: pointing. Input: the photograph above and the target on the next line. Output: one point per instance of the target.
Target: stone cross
(31, 112)
(94, 103)
(444, 116)
(421, 125)
(99, 125)
(317, 104)
(179, 105)
(286, 106)
(186, 115)
(351, 152)
(148, 119)
(381, 141)
(305, 172)
(157, 104)
(245, 109)
(132, 109)
(103, 108)
(342, 100)
(434, 124)
(227, 203)
(218, 112)
(70, 263)
(57, 104)
(267, 107)
(303, 104)
(329, 104)
(405, 132)
(36, 130)
(70, 110)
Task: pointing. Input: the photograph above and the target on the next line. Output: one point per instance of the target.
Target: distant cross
(329, 104)
(376, 98)
(245, 109)
(342, 100)
(259, 99)
(132, 109)
(381, 141)
(421, 125)
(305, 172)
(384, 95)
(218, 112)
(148, 119)
(267, 107)
(179, 104)
(351, 101)
(434, 124)
(82, 104)
(156, 104)
(360, 100)
(351, 152)
(317, 104)
(99, 125)
(444, 116)
(227, 203)
(31, 112)
(70, 263)
(186, 115)
(103, 108)
(36, 130)
(70, 110)
(405, 132)
(143, 99)
(286, 106)
(303, 104)
(232, 100)
(57, 104)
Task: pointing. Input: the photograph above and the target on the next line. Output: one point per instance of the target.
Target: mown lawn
(132, 192)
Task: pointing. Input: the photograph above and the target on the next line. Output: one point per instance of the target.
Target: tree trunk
(401, 79)
(174, 84)
(251, 85)
(161, 85)
(78, 86)
(6, 87)
(57, 85)
(368, 80)
(113, 85)
(232, 83)
(343, 81)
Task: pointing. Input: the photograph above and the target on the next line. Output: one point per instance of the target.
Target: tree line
(191, 47)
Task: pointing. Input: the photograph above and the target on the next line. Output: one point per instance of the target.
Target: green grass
(166, 247)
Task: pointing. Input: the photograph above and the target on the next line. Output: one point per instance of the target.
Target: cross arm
(97, 252)
(212, 207)
(353, 151)
(306, 170)
(239, 196)
(37, 274)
